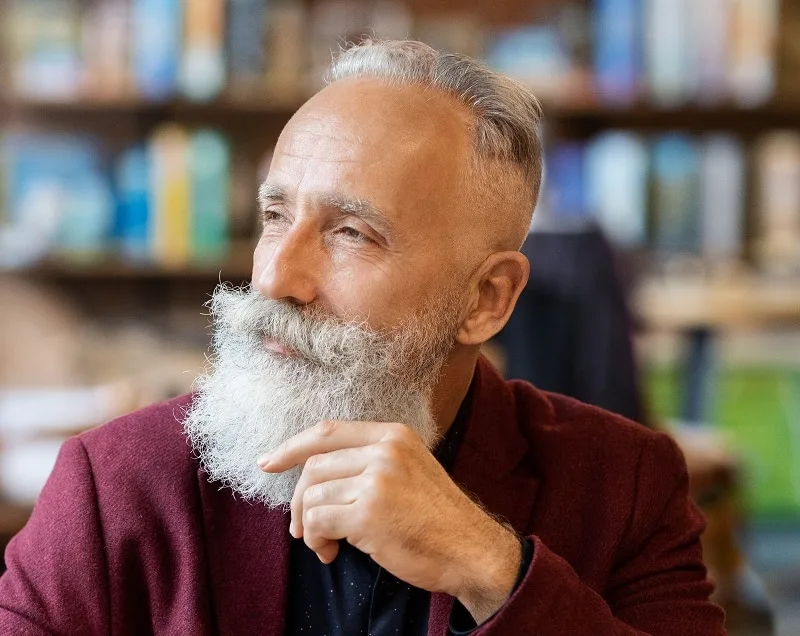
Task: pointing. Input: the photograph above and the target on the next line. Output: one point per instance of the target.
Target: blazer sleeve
(658, 586)
(57, 580)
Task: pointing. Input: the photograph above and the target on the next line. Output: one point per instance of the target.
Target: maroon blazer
(128, 536)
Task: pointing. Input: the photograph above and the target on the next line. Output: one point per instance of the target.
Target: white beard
(252, 400)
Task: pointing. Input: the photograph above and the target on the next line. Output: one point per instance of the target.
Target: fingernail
(263, 461)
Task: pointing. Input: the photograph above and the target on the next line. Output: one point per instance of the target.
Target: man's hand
(377, 486)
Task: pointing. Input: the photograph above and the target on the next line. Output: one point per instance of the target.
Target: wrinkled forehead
(405, 149)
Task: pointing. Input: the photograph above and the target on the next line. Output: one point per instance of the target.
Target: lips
(277, 347)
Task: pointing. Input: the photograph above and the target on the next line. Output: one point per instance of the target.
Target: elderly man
(350, 464)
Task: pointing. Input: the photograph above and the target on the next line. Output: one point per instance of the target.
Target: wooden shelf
(580, 112)
(120, 270)
(746, 303)
(235, 267)
(134, 106)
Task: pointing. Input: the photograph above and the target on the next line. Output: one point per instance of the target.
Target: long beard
(251, 399)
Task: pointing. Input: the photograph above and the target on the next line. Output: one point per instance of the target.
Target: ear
(500, 281)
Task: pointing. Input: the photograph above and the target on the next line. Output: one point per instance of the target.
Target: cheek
(261, 256)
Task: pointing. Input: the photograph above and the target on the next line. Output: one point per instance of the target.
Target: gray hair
(507, 115)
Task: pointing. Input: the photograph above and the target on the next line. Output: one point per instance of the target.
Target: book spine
(156, 46)
(710, 32)
(133, 210)
(617, 61)
(753, 51)
(246, 39)
(722, 197)
(668, 54)
(287, 49)
(106, 32)
(170, 196)
(203, 63)
(778, 177)
(617, 167)
(676, 165)
(566, 185)
(210, 158)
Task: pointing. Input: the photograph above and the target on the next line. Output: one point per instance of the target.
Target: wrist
(492, 575)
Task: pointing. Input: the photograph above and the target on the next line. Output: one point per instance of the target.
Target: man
(355, 466)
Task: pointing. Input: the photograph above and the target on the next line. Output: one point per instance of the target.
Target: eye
(270, 216)
(353, 234)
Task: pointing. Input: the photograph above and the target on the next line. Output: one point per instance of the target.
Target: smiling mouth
(276, 347)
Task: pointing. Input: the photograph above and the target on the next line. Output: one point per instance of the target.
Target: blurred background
(665, 249)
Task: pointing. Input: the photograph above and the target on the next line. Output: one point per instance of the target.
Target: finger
(347, 462)
(325, 437)
(328, 551)
(325, 526)
(339, 492)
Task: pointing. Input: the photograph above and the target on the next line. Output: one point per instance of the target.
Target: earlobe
(499, 283)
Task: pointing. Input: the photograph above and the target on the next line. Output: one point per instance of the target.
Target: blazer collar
(491, 462)
(248, 559)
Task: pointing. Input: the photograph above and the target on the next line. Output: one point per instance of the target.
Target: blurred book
(565, 188)
(535, 55)
(617, 50)
(710, 22)
(106, 49)
(43, 47)
(754, 33)
(133, 205)
(458, 32)
(676, 194)
(616, 176)
(210, 163)
(58, 196)
(156, 47)
(246, 28)
(287, 51)
(777, 244)
(333, 24)
(170, 195)
(669, 52)
(203, 63)
(722, 197)
(88, 217)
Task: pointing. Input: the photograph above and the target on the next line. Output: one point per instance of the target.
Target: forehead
(403, 148)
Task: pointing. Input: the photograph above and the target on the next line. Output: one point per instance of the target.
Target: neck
(453, 384)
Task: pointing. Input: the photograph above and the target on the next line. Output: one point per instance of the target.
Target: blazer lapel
(248, 551)
(490, 464)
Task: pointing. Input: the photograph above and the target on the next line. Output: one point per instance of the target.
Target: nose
(287, 267)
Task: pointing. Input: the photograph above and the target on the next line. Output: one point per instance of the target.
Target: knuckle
(401, 431)
(313, 495)
(403, 436)
(389, 453)
(314, 463)
(326, 428)
(315, 519)
(376, 486)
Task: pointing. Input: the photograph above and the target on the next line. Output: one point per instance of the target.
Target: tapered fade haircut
(507, 117)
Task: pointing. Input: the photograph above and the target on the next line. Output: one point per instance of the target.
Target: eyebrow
(363, 209)
(350, 206)
(268, 193)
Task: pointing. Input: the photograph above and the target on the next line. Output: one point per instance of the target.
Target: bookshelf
(581, 112)
(124, 116)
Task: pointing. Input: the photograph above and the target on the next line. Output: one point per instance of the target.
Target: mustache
(316, 336)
